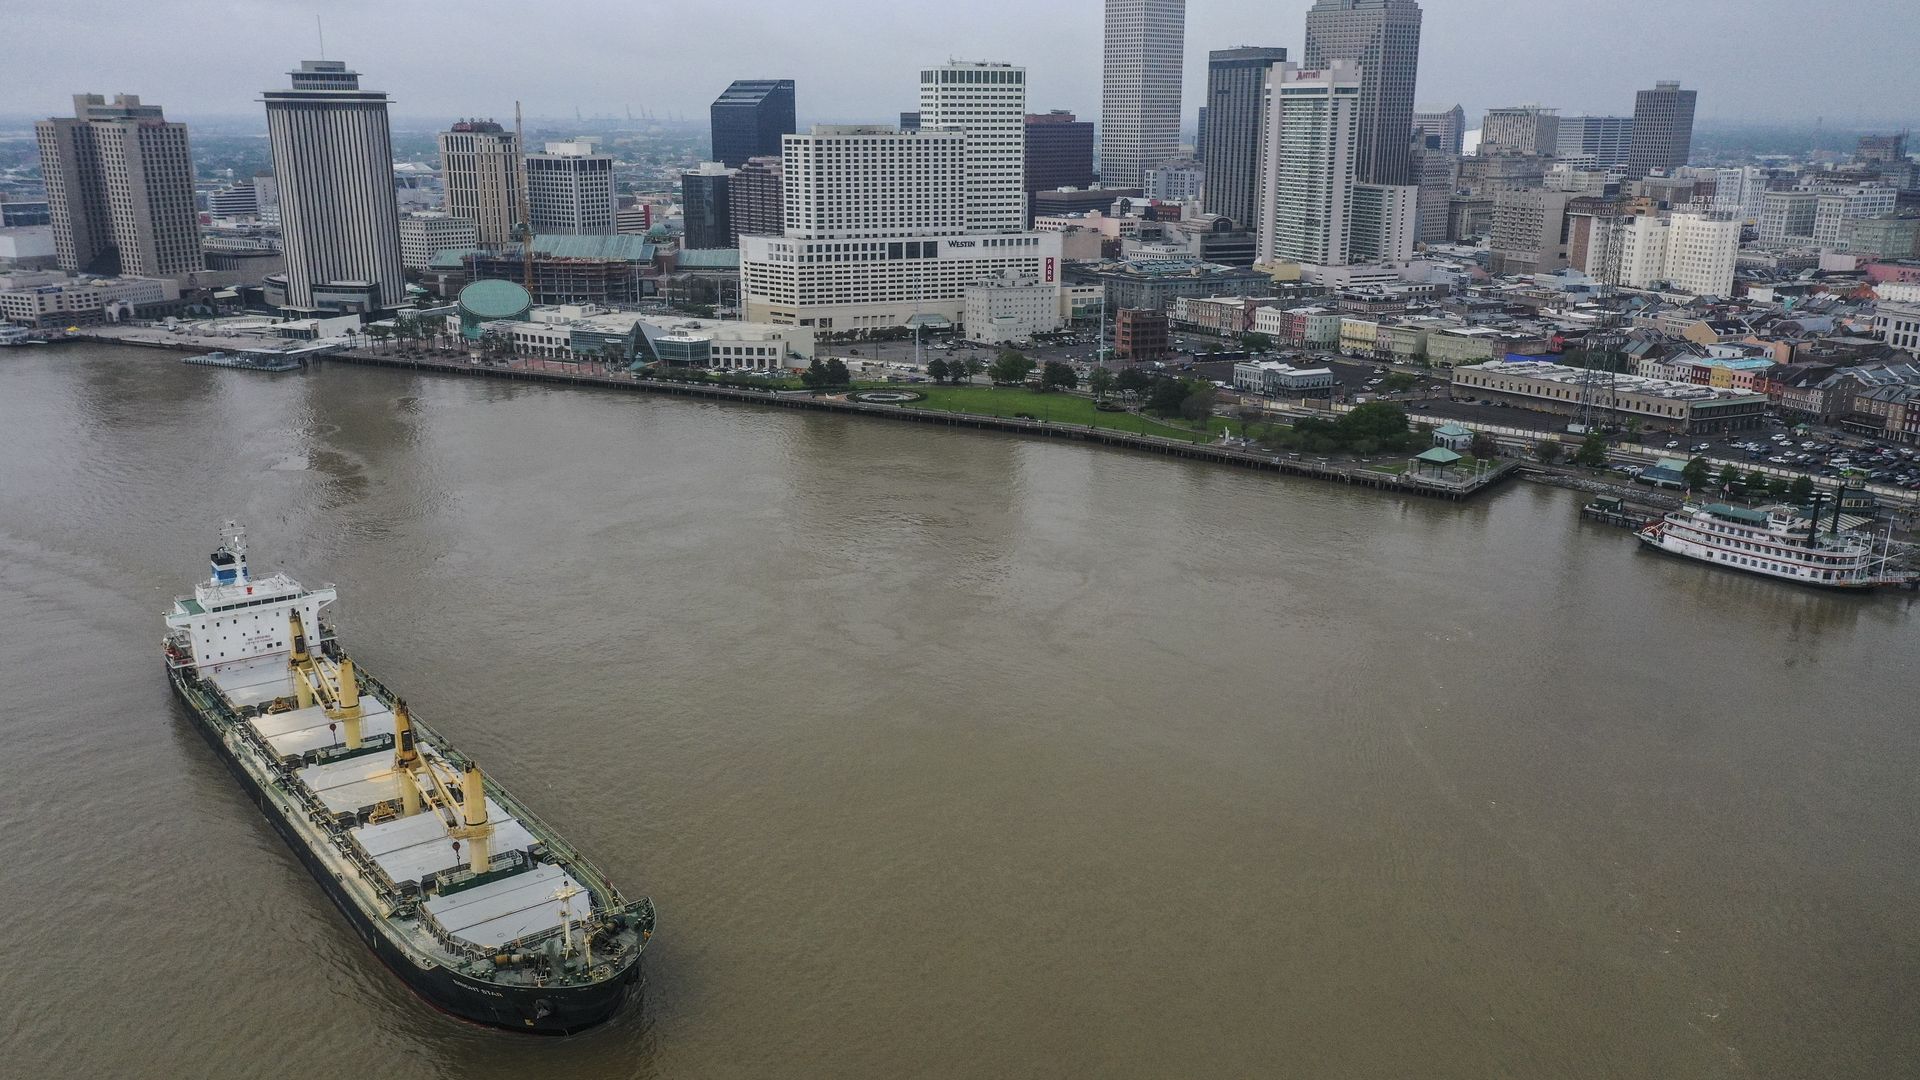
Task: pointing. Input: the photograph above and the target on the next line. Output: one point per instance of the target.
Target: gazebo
(1437, 460)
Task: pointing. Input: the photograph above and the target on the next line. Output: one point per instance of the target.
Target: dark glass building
(1230, 129)
(704, 202)
(1059, 153)
(749, 119)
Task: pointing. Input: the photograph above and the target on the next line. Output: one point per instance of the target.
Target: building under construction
(605, 270)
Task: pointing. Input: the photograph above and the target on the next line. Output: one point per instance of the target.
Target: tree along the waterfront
(1697, 473)
(1010, 369)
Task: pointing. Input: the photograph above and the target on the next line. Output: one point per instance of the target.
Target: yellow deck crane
(425, 782)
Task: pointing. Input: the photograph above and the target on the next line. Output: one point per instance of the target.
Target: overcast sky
(1850, 61)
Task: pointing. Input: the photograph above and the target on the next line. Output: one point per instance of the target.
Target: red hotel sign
(1049, 270)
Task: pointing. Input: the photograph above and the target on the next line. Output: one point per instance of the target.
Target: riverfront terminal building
(1658, 404)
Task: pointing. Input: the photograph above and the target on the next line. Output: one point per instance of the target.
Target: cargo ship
(478, 906)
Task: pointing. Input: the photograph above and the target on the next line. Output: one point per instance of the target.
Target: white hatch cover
(414, 846)
(501, 910)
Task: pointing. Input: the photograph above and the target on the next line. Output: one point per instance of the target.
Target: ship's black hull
(534, 1010)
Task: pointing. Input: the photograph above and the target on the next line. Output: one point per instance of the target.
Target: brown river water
(949, 754)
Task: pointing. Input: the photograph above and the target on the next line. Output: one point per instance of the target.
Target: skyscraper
(119, 182)
(1236, 92)
(1140, 87)
(1383, 37)
(749, 118)
(1662, 129)
(1307, 174)
(570, 189)
(1312, 209)
(988, 102)
(480, 165)
(1435, 170)
(333, 165)
(1449, 124)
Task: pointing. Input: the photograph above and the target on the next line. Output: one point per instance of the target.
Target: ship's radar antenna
(230, 558)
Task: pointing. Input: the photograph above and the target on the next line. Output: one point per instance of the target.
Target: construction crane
(525, 229)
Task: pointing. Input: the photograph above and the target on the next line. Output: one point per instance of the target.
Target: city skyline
(168, 48)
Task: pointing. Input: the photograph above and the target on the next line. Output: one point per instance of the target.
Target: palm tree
(379, 334)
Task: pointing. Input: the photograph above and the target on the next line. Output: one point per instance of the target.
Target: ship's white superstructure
(1775, 542)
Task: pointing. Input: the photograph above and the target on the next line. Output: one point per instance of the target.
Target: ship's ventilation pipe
(473, 793)
(349, 704)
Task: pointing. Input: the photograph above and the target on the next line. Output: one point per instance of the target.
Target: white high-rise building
(1787, 217)
(1175, 181)
(1384, 224)
(1690, 252)
(1600, 142)
(880, 230)
(1307, 175)
(1702, 251)
(333, 166)
(570, 189)
(237, 201)
(426, 233)
(1739, 192)
(1140, 87)
(1839, 207)
(861, 182)
(988, 103)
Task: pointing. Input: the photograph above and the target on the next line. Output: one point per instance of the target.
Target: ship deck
(409, 850)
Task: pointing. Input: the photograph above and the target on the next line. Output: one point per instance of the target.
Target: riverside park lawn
(1057, 408)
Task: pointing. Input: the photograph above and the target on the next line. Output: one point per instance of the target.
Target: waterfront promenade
(1357, 474)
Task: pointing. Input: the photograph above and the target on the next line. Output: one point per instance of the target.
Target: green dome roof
(495, 299)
